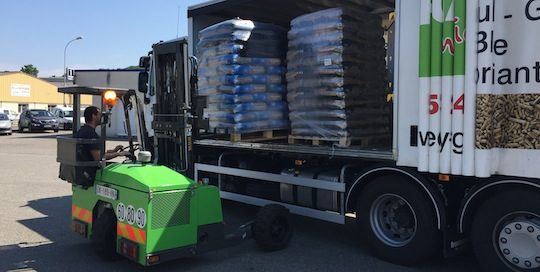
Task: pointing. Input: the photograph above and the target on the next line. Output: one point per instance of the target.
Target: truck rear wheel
(397, 220)
(104, 236)
(271, 229)
(506, 232)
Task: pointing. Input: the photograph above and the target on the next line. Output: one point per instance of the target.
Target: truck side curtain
(479, 92)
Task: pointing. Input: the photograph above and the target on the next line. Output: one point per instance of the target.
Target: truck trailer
(462, 80)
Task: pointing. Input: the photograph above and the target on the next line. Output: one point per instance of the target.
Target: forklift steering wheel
(135, 147)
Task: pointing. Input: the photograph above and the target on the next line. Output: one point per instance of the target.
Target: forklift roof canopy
(91, 90)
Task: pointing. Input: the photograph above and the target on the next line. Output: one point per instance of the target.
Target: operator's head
(92, 116)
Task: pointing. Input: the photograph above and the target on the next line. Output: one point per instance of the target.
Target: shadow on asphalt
(62, 250)
(39, 135)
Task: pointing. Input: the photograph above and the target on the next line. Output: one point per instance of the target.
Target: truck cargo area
(281, 13)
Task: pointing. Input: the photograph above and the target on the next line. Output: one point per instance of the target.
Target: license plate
(48, 126)
(106, 192)
(78, 227)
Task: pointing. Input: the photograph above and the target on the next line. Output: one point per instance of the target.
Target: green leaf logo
(441, 10)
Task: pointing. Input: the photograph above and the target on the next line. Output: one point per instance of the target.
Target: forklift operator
(92, 119)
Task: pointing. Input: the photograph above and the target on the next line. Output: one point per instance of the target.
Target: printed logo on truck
(479, 90)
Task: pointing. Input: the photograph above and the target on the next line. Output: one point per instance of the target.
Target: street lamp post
(65, 71)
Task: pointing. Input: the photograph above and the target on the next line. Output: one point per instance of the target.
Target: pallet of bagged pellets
(241, 75)
(336, 77)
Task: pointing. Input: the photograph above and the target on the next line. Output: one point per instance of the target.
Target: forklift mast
(172, 108)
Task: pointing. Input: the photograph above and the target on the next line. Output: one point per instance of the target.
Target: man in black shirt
(92, 119)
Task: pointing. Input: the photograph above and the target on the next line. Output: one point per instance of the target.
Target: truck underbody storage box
(309, 197)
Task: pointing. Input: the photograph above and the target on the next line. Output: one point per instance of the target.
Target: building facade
(19, 91)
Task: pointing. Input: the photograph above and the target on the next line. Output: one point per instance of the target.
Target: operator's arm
(108, 155)
(95, 154)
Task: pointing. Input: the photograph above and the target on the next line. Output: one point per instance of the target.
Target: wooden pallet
(260, 136)
(364, 141)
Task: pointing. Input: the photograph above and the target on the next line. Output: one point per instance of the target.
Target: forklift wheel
(104, 236)
(271, 229)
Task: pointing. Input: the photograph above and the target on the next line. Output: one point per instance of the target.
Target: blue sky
(116, 32)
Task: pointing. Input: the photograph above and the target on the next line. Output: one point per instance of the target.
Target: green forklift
(145, 212)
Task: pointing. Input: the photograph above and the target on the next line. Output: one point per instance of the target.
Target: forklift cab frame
(74, 168)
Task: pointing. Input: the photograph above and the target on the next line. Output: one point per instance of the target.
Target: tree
(30, 69)
(133, 67)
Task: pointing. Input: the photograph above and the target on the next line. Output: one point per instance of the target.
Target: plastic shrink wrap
(336, 76)
(241, 74)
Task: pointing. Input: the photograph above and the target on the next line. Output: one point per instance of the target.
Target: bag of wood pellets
(335, 68)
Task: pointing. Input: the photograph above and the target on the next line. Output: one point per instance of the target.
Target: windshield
(6, 111)
(3, 117)
(40, 113)
(68, 113)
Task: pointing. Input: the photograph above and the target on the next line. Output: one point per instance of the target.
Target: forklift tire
(271, 229)
(104, 236)
(397, 220)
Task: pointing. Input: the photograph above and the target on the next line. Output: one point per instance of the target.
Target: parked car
(38, 120)
(12, 115)
(5, 124)
(65, 116)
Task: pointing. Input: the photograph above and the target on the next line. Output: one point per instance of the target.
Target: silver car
(5, 124)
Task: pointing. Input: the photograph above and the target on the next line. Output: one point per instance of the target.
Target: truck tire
(104, 236)
(271, 229)
(397, 220)
(506, 232)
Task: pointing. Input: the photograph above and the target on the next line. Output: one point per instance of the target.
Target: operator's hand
(118, 148)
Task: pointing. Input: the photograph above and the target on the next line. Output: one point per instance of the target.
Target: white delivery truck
(462, 166)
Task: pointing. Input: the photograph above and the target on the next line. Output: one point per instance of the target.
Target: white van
(10, 113)
(65, 116)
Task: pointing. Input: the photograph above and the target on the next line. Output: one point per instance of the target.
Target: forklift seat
(75, 167)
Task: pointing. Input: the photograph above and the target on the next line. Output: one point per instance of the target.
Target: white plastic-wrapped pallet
(241, 75)
(336, 76)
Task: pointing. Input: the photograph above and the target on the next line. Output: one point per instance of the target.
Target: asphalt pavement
(35, 235)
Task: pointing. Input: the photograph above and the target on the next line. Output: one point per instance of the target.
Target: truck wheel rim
(393, 220)
(517, 238)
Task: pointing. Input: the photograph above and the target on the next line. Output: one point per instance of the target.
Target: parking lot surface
(35, 233)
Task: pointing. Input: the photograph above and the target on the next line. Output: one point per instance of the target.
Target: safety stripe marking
(131, 233)
(81, 214)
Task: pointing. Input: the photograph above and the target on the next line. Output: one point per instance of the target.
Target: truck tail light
(129, 249)
(152, 259)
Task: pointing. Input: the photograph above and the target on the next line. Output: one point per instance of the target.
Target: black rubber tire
(56, 131)
(486, 219)
(104, 236)
(272, 229)
(427, 239)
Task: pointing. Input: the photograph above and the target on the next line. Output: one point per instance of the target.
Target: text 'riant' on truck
(417, 120)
